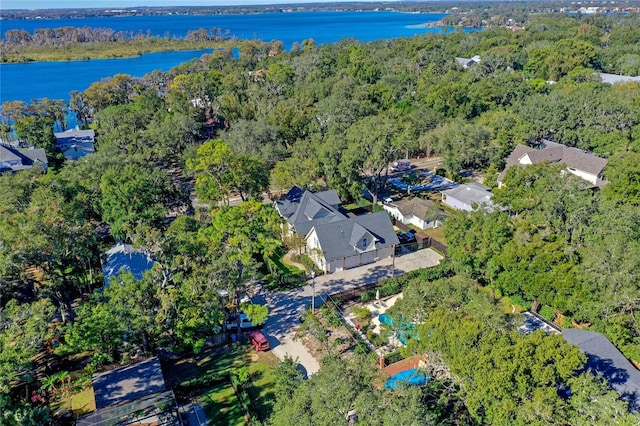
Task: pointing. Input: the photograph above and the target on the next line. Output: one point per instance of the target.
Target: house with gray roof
(468, 62)
(304, 209)
(468, 197)
(333, 240)
(604, 358)
(412, 212)
(15, 160)
(360, 240)
(76, 143)
(576, 161)
(614, 78)
(135, 394)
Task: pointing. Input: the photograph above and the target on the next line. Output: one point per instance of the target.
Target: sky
(75, 4)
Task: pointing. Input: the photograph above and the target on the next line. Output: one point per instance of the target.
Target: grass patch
(81, 403)
(221, 405)
(261, 385)
(277, 259)
(435, 233)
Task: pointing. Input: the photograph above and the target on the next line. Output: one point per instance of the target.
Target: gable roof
(603, 357)
(340, 238)
(26, 157)
(8, 154)
(76, 143)
(470, 194)
(415, 207)
(305, 211)
(76, 134)
(553, 152)
(124, 258)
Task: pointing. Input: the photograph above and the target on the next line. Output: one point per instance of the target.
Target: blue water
(55, 80)
(412, 377)
(384, 319)
(404, 330)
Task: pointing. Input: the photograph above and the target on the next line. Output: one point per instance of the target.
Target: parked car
(259, 341)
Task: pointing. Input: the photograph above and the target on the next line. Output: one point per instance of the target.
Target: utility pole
(313, 296)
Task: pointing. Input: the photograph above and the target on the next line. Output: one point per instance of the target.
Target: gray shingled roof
(26, 156)
(310, 209)
(128, 383)
(470, 194)
(35, 154)
(8, 154)
(604, 358)
(614, 78)
(338, 239)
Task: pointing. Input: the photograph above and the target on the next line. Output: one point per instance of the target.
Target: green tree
(137, 198)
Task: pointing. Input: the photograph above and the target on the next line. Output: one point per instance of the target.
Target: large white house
(580, 163)
(333, 240)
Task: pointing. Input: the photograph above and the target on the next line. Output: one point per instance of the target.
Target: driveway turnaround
(287, 307)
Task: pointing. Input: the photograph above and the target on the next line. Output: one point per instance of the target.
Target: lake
(55, 80)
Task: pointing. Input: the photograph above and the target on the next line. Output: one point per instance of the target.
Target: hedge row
(393, 286)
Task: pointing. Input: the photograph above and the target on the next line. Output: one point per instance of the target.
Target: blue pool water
(412, 377)
(405, 330)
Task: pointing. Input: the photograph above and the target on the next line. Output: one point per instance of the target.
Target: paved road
(286, 308)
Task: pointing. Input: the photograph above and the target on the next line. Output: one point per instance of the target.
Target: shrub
(548, 313)
(393, 357)
(308, 263)
(518, 300)
(361, 312)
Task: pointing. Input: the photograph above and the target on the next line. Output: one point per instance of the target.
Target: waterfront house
(14, 160)
(76, 143)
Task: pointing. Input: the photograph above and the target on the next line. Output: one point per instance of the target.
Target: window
(365, 242)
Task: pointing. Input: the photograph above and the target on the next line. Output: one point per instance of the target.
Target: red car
(259, 341)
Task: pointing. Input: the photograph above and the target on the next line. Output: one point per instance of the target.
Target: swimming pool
(412, 377)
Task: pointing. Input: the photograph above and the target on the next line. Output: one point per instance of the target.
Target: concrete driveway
(286, 308)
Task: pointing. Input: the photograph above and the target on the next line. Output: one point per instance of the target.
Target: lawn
(276, 258)
(261, 366)
(81, 403)
(221, 405)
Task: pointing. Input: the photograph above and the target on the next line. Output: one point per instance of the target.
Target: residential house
(614, 78)
(333, 240)
(76, 143)
(360, 240)
(468, 197)
(124, 258)
(468, 62)
(605, 359)
(578, 162)
(14, 160)
(412, 212)
(304, 209)
(133, 395)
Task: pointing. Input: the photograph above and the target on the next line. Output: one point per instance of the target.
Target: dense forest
(334, 117)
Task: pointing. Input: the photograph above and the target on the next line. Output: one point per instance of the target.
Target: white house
(468, 197)
(412, 212)
(360, 240)
(580, 163)
(333, 240)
